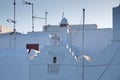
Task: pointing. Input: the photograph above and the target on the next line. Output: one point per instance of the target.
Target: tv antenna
(14, 20)
(14, 26)
(45, 18)
(32, 4)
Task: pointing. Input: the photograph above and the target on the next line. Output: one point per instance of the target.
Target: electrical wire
(78, 31)
(107, 66)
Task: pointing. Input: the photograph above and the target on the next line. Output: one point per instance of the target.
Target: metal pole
(14, 15)
(46, 18)
(83, 67)
(29, 3)
(14, 23)
(32, 17)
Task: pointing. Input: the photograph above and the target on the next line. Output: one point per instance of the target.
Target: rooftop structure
(4, 29)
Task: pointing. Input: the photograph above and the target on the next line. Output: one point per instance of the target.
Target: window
(32, 46)
(53, 69)
(54, 59)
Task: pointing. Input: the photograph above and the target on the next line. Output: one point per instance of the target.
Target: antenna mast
(46, 18)
(30, 3)
(14, 21)
(32, 17)
(83, 44)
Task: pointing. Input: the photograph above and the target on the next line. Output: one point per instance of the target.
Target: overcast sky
(97, 12)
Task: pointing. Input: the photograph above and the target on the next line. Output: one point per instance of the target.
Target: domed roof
(64, 21)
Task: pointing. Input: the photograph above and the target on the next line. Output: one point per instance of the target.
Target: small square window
(53, 69)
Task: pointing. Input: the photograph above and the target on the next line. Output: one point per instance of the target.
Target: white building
(4, 29)
(56, 53)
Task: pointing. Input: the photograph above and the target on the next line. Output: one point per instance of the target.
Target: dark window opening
(54, 59)
(32, 46)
